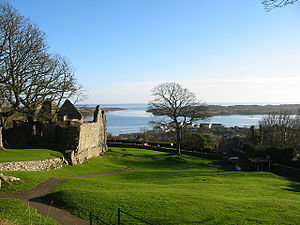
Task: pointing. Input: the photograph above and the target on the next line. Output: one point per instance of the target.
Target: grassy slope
(166, 189)
(17, 212)
(14, 210)
(14, 155)
(169, 190)
(31, 179)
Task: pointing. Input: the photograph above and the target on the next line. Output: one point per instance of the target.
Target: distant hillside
(221, 110)
(253, 109)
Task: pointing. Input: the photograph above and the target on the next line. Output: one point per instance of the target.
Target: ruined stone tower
(81, 140)
(77, 139)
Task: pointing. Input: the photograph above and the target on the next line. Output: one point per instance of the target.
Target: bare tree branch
(176, 105)
(29, 74)
(282, 129)
(271, 4)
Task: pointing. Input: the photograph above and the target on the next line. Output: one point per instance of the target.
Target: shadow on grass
(169, 166)
(172, 161)
(204, 221)
(126, 153)
(294, 186)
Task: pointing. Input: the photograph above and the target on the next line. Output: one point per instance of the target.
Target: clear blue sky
(223, 50)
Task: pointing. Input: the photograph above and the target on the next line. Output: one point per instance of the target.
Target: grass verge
(14, 155)
(14, 211)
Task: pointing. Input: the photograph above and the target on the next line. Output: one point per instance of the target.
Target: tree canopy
(281, 129)
(177, 106)
(29, 74)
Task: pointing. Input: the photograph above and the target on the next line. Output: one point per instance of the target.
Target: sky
(222, 50)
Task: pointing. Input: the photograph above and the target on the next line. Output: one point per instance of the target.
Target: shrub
(282, 155)
(195, 142)
(253, 150)
(247, 147)
(295, 163)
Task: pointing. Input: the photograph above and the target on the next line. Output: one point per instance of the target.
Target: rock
(9, 179)
(38, 165)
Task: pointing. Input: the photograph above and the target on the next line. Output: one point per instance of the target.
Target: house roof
(68, 112)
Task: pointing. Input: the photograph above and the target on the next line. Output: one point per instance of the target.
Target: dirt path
(36, 199)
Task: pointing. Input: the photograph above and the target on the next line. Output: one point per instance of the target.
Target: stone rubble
(39, 165)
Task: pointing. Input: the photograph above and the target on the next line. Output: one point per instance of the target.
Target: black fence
(134, 217)
(96, 220)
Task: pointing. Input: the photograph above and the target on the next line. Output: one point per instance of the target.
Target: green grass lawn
(14, 210)
(30, 179)
(18, 212)
(167, 189)
(14, 155)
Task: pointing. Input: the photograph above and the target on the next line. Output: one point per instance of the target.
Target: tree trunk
(32, 124)
(1, 141)
(178, 140)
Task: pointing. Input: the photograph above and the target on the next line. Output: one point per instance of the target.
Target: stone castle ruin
(65, 129)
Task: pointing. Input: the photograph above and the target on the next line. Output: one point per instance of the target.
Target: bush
(161, 144)
(295, 163)
(247, 147)
(130, 141)
(253, 150)
(195, 142)
(282, 155)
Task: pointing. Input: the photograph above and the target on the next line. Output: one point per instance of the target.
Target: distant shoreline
(115, 109)
(218, 110)
(89, 111)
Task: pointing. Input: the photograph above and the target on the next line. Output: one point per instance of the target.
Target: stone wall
(21, 134)
(68, 112)
(92, 139)
(39, 165)
(78, 140)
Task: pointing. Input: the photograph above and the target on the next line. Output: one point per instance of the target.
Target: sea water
(137, 119)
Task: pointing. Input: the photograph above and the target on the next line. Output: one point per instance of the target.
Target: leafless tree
(271, 4)
(29, 74)
(282, 129)
(177, 106)
(5, 113)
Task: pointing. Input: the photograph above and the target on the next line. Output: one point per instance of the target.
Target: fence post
(119, 216)
(91, 218)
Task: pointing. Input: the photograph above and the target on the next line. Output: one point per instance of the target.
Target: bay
(136, 119)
